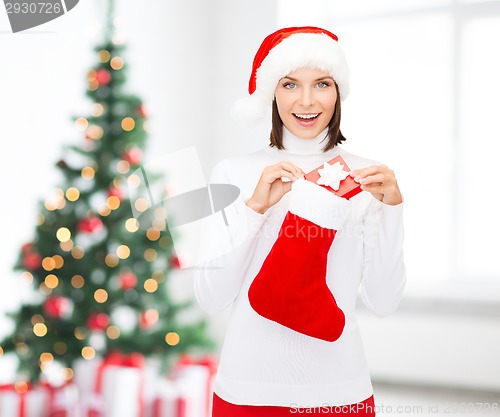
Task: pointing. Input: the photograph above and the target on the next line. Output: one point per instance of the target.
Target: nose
(306, 97)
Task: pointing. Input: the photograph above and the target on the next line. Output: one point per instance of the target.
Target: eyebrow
(319, 79)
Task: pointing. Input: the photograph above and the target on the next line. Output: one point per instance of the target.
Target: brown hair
(334, 134)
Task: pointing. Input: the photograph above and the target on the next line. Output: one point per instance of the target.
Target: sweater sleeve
(230, 243)
(384, 272)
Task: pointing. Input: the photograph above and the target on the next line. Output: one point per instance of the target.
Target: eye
(289, 85)
(323, 84)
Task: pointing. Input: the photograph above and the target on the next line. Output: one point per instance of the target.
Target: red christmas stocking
(290, 287)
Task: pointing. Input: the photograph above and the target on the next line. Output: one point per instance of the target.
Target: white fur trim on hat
(250, 109)
(314, 50)
(318, 205)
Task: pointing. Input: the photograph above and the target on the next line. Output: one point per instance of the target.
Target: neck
(294, 144)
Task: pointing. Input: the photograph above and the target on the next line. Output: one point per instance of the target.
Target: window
(425, 100)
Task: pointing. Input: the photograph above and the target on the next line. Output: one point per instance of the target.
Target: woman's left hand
(381, 182)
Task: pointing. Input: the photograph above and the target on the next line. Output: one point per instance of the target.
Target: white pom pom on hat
(283, 52)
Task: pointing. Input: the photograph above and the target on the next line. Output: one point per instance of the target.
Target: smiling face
(306, 101)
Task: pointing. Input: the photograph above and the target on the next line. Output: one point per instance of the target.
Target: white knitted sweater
(263, 362)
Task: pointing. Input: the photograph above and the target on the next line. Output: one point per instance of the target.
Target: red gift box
(348, 187)
(195, 378)
(63, 400)
(118, 387)
(170, 401)
(22, 400)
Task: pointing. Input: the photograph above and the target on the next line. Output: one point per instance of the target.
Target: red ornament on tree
(133, 155)
(127, 280)
(32, 260)
(27, 247)
(141, 111)
(89, 225)
(98, 321)
(115, 192)
(174, 262)
(148, 318)
(56, 307)
(103, 77)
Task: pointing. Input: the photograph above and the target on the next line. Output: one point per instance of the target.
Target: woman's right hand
(270, 188)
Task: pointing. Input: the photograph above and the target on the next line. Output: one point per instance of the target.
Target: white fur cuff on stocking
(318, 205)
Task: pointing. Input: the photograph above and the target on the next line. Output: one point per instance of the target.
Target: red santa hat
(281, 53)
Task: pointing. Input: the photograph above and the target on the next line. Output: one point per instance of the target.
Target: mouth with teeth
(306, 119)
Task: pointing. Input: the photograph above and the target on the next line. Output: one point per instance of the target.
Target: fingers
(388, 194)
(286, 174)
(374, 187)
(272, 185)
(373, 179)
(293, 169)
(282, 169)
(358, 174)
(373, 169)
(380, 181)
(374, 174)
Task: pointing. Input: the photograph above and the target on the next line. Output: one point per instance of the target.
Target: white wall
(190, 61)
(446, 349)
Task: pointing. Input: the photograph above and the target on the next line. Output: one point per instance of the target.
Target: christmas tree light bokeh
(100, 278)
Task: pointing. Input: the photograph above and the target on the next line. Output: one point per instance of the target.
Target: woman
(292, 344)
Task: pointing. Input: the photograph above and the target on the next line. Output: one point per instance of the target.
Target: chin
(311, 135)
(308, 133)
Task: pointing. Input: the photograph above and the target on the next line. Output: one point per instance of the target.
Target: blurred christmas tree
(100, 276)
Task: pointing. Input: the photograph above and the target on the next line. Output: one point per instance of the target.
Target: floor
(397, 400)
